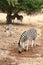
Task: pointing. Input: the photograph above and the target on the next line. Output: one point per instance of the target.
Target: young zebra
(8, 30)
(30, 35)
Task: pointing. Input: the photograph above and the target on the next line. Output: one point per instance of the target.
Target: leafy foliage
(31, 5)
(10, 6)
(15, 5)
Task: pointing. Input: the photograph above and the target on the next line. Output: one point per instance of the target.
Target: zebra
(8, 30)
(30, 35)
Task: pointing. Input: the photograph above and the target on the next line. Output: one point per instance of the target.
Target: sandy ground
(9, 41)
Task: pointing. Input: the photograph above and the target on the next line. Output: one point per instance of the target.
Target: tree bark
(9, 20)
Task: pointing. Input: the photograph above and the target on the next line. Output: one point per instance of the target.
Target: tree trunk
(9, 20)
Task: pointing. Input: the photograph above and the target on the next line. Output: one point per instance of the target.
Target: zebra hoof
(19, 51)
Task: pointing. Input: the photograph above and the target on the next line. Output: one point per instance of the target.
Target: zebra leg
(27, 47)
(33, 42)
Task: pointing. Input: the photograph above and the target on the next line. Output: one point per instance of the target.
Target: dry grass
(8, 44)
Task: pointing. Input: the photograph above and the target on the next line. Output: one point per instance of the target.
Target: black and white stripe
(30, 34)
